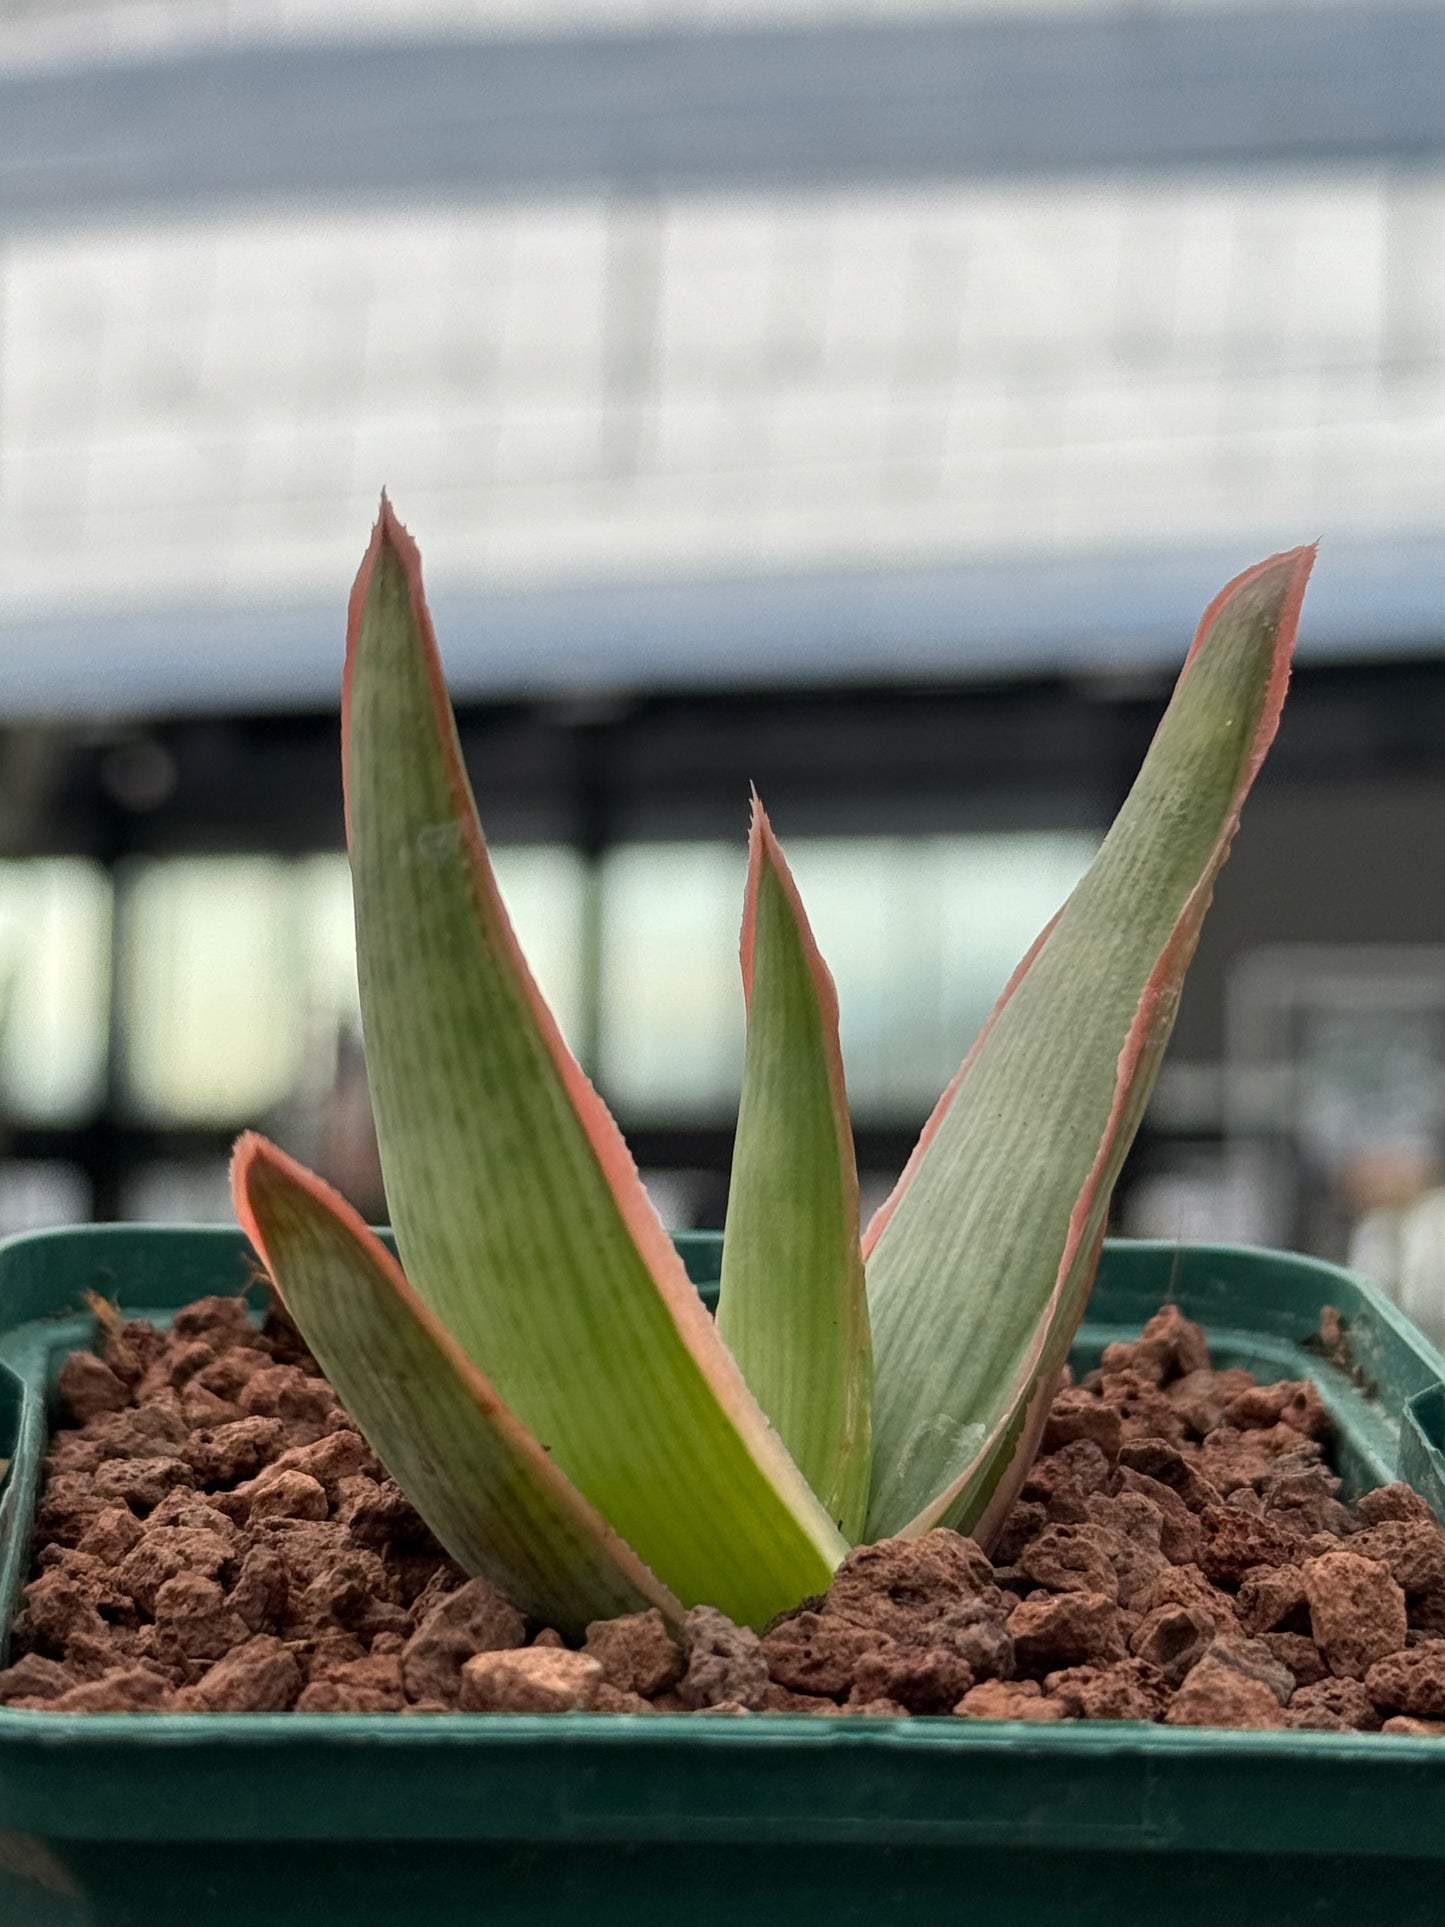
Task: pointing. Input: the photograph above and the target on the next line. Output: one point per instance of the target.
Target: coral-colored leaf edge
(252, 1149)
(764, 851)
(1179, 944)
(615, 1161)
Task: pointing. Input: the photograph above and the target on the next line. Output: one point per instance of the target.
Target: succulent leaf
(792, 1306)
(979, 1264)
(519, 1214)
(484, 1485)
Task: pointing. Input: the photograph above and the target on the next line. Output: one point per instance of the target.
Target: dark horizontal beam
(723, 110)
(955, 623)
(1041, 755)
(675, 1146)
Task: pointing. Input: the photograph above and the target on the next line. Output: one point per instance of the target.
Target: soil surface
(214, 1535)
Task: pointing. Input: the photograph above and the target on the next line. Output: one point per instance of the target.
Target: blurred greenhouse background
(859, 399)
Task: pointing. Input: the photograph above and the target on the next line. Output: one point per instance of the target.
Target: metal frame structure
(979, 712)
(946, 757)
(718, 110)
(723, 109)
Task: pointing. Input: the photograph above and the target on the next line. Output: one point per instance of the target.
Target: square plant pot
(143, 1820)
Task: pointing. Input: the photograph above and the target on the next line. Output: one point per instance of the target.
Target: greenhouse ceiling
(709, 345)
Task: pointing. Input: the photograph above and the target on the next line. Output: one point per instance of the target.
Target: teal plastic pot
(378, 1821)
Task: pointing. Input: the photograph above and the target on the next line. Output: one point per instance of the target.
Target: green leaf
(980, 1263)
(519, 1214)
(792, 1307)
(479, 1479)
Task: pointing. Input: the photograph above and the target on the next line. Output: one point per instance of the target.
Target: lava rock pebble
(214, 1535)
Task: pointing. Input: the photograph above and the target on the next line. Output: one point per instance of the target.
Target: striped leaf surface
(979, 1264)
(478, 1477)
(792, 1306)
(519, 1215)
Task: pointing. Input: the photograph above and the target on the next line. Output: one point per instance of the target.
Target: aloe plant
(538, 1373)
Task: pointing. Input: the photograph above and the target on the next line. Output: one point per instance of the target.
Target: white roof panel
(587, 405)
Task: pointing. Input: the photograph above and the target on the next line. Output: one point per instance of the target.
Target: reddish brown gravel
(214, 1535)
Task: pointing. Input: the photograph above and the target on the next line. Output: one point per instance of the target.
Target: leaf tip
(747, 940)
(389, 538)
(1296, 565)
(391, 543)
(391, 533)
(760, 828)
(764, 851)
(1289, 572)
(248, 1156)
(262, 1176)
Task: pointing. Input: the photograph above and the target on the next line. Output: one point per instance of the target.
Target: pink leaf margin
(614, 1161)
(253, 1159)
(1155, 1002)
(765, 854)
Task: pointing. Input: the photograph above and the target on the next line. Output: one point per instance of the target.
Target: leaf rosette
(537, 1372)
